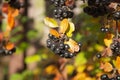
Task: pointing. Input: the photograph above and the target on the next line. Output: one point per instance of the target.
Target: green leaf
(32, 34)
(80, 59)
(32, 59)
(50, 22)
(16, 77)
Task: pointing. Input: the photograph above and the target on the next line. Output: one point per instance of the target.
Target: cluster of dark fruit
(4, 51)
(58, 3)
(58, 47)
(62, 11)
(15, 4)
(105, 29)
(97, 7)
(116, 15)
(105, 77)
(115, 47)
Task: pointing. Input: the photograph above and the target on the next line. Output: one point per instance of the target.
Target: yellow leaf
(108, 39)
(71, 29)
(70, 69)
(51, 69)
(64, 26)
(117, 63)
(81, 68)
(54, 32)
(50, 22)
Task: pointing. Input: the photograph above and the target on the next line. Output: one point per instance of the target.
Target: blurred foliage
(52, 67)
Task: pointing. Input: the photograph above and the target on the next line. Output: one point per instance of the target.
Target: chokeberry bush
(60, 40)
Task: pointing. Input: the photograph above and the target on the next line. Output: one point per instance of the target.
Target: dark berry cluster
(4, 50)
(105, 29)
(105, 77)
(15, 4)
(115, 47)
(116, 15)
(58, 3)
(97, 7)
(58, 46)
(61, 10)
(61, 13)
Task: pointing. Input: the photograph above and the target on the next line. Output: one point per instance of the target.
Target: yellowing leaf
(50, 22)
(99, 47)
(64, 26)
(81, 68)
(14, 11)
(11, 21)
(71, 29)
(108, 39)
(9, 46)
(74, 47)
(32, 59)
(117, 63)
(54, 32)
(69, 69)
(51, 69)
(107, 67)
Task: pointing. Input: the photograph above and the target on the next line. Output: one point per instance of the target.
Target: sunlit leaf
(14, 11)
(107, 67)
(32, 59)
(71, 29)
(9, 46)
(16, 77)
(81, 68)
(11, 21)
(70, 69)
(54, 32)
(108, 39)
(50, 22)
(64, 26)
(80, 59)
(117, 62)
(51, 69)
(74, 47)
(99, 47)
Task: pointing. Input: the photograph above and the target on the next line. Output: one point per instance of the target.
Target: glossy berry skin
(98, 56)
(104, 77)
(67, 46)
(112, 79)
(116, 15)
(115, 47)
(61, 45)
(118, 77)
